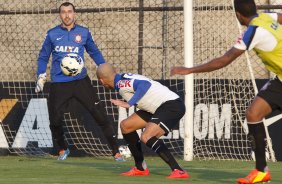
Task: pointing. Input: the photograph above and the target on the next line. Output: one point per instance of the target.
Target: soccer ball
(72, 64)
(124, 151)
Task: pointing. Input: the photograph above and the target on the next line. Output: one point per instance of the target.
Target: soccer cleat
(119, 158)
(255, 176)
(63, 154)
(178, 174)
(136, 172)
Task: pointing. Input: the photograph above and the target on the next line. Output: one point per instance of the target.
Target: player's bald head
(105, 71)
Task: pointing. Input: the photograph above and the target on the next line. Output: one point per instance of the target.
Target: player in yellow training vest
(264, 35)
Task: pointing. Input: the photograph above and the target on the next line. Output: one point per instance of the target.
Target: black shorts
(271, 92)
(167, 115)
(61, 93)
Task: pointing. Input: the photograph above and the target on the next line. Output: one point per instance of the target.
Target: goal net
(143, 36)
(137, 36)
(222, 97)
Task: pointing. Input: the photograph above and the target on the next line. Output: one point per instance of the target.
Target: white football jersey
(257, 37)
(139, 90)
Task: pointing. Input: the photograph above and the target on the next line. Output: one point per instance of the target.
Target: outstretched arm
(214, 64)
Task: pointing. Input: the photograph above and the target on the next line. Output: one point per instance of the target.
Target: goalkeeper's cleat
(119, 158)
(136, 172)
(63, 154)
(255, 176)
(178, 174)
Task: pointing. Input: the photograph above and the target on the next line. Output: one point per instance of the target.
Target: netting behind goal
(222, 97)
(144, 37)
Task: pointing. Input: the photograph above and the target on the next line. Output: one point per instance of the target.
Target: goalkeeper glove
(40, 83)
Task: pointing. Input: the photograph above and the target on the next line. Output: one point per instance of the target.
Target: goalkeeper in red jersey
(264, 35)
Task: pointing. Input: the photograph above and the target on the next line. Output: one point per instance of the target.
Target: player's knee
(124, 127)
(253, 116)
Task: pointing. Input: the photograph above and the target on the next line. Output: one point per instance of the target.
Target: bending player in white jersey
(160, 110)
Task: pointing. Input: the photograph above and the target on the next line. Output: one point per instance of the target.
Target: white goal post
(189, 80)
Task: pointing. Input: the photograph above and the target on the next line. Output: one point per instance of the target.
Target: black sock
(134, 145)
(108, 131)
(160, 148)
(257, 137)
(99, 114)
(112, 143)
(58, 136)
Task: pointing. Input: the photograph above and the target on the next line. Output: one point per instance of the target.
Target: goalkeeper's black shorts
(167, 115)
(62, 93)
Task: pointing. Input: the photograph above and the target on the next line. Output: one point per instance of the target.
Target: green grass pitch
(80, 170)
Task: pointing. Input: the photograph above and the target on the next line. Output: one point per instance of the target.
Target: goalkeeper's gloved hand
(40, 82)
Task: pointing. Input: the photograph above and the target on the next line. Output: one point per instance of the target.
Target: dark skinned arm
(212, 65)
